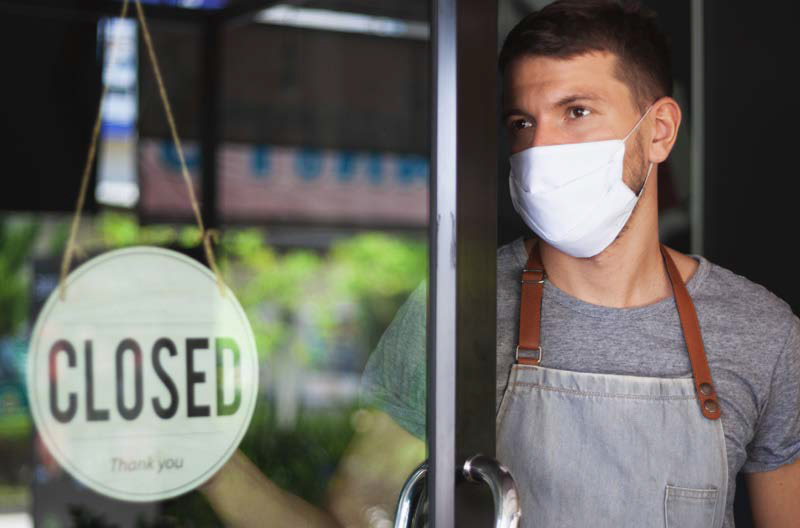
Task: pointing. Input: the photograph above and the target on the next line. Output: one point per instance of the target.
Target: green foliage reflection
(319, 310)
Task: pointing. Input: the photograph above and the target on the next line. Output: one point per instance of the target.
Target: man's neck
(630, 272)
(615, 278)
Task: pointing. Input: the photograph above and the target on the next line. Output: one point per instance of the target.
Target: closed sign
(143, 380)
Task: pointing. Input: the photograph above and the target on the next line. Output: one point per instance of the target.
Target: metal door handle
(478, 468)
(481, 468)
(410, 496)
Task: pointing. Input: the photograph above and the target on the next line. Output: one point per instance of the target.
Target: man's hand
(362, 492)
(372, 471)
(243, 497)
(775, 497)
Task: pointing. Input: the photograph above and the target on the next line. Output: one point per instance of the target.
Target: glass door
(463, 246)
(305, 130)
(342, 156)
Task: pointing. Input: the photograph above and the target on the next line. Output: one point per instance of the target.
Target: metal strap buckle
(523, 281)
(538, 350)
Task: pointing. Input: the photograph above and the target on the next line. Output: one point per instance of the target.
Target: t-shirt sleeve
(394, 377)
(776, 441)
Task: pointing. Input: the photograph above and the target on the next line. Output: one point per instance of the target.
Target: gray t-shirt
(751, 337)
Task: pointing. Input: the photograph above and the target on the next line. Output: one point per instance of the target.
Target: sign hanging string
(209, 236)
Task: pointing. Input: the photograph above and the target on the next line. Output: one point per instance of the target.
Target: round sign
(143, 379)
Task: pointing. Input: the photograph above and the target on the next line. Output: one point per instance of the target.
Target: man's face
(552, 101)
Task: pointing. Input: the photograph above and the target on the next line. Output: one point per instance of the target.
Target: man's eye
(577, 112)
(519, 124)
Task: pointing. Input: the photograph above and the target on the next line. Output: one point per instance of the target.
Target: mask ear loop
(649, 169)
(639, 122)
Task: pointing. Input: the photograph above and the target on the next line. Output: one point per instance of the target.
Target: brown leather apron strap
(529, 349)
(706, 394)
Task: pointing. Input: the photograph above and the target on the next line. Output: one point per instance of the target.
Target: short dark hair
(568, 28)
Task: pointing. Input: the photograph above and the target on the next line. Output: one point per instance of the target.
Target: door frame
(463, 244)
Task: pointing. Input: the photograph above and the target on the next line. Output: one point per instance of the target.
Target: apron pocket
(690, 507)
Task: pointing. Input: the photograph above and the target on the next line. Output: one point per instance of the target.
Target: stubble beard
(634, 175)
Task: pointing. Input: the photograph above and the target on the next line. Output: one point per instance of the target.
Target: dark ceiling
(417, 10)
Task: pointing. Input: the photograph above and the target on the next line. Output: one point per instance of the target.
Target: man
(616, 406)
(605, 421)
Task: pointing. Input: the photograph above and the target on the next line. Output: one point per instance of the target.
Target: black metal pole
(211, 68)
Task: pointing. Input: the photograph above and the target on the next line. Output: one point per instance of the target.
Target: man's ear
(666, 117)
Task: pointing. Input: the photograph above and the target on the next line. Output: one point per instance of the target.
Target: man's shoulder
(735, 300)
(737, 288)
(511, 258)
(511, 255)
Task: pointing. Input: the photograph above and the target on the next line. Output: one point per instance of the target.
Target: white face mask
(573, 195)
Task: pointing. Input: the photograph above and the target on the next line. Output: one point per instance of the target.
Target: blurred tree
(378, 271)
(299, 302)
(17, 238)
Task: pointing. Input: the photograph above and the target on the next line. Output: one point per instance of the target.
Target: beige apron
(611, 451)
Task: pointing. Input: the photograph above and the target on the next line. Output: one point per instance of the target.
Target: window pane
(320, 201)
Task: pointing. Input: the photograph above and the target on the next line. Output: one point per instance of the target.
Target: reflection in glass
(321, 443)
(320, 197)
